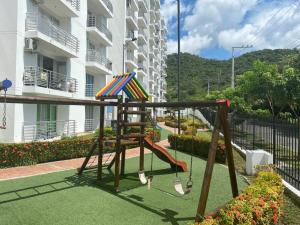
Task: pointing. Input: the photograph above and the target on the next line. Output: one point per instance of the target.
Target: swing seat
(178, 186)
(142, 177)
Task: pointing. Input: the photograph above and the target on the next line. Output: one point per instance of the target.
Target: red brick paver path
(44, 168)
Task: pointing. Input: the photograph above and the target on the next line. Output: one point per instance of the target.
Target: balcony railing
(140, 14)
(75, 4)
(143, 50)
(95, 56)
(91, 124)
(90, 90)
(131, 57)
(42, 130)
(130, 13)
(142, 67)
(34, 22)
(36, 76)
(108, 5)
(130, 34)
(142, 32)
(146, 3)
(92, 22)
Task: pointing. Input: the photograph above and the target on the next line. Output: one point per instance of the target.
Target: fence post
(253, 135)
(274, 140)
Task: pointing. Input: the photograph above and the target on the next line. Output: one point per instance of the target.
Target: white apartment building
(71, 49)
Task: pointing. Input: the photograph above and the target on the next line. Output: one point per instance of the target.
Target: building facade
(71, 49)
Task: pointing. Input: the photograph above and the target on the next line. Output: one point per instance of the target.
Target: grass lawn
(63, 198)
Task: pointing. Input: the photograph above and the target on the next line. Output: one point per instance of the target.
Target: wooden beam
(229, 154)
(55, 101)
(100, 147)
(209, 169)
(87, 158)
(142, 144)
(123, 157)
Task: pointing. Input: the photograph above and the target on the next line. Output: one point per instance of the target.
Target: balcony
(131, 19)
(142, 53)
(142, 70)
(53, 39)
(90, 90)
(62, 8)
(143, 5)
(103, 7)
(43, 130)
(142, 20)
(142, 37)
(131, 61)
(45, 82)
(98, 32)
(131, 44)
(97, 64)
(133, 4)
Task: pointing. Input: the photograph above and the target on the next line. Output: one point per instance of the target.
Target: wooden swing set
(135, 104)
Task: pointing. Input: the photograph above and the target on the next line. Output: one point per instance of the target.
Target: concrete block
(257, 157)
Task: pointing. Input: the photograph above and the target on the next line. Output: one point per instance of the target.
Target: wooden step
(134, 124)
(123, 142)
(133, 135)
(134, 112)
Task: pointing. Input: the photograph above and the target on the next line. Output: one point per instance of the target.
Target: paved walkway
(50, 167)
(171, 129)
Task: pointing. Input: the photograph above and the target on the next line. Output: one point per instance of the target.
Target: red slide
(164, 155)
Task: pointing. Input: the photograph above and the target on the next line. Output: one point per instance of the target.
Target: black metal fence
(279, 137)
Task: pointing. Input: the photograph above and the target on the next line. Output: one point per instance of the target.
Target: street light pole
(178, 59)
(232, 57)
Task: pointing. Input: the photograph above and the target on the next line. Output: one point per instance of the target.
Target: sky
(210, 28)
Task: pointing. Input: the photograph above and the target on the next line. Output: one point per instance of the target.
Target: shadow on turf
(88, 178)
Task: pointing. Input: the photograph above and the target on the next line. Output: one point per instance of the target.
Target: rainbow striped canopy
(128, 83)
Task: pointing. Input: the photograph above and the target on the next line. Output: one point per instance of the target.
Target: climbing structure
(135, 92)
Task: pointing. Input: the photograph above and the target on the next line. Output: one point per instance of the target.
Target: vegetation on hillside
(196, 71)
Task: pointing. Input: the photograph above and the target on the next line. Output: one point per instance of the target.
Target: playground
(65, 198)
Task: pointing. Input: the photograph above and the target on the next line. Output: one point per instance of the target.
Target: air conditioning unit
(30, 44)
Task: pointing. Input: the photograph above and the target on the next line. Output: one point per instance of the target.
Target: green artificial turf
(164, 134)
(64, 198)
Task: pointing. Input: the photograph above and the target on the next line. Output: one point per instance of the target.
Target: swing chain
(4, 110)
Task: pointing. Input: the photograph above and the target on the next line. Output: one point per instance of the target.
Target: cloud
(226, 23)
(192, 44)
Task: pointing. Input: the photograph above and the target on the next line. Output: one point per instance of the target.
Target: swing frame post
(221, 121)
(142, 144)
(209, 169)
(100, 140)
(125, 131)
(118, 145)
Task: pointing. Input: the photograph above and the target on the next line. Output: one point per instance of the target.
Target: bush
(175, 125)
(38, 152)
(108, 132)
(201, 145)
(260, 203)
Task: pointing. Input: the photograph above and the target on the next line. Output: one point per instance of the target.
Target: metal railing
(75, 4)
(35, 22)
(36, 76)
(42, 130)
(142, 67)
(130, 13)
(131, 57)
(276, 136)
(108, 5)
(91, 124)
(92, 22)
(95, 56)
(90, 90)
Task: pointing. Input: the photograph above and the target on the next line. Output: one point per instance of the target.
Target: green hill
(196, 71)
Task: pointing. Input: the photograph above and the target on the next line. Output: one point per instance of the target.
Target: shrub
(260, 203)
(201, 145)
(175, 125)
(38, 152)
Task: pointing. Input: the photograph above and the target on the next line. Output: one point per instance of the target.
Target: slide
(165, 156)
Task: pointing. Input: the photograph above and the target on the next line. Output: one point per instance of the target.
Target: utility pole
(232, 57)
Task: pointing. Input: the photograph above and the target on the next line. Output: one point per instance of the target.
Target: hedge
(260, 203)
(38, 152)
(23, 154)
(201, 145)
